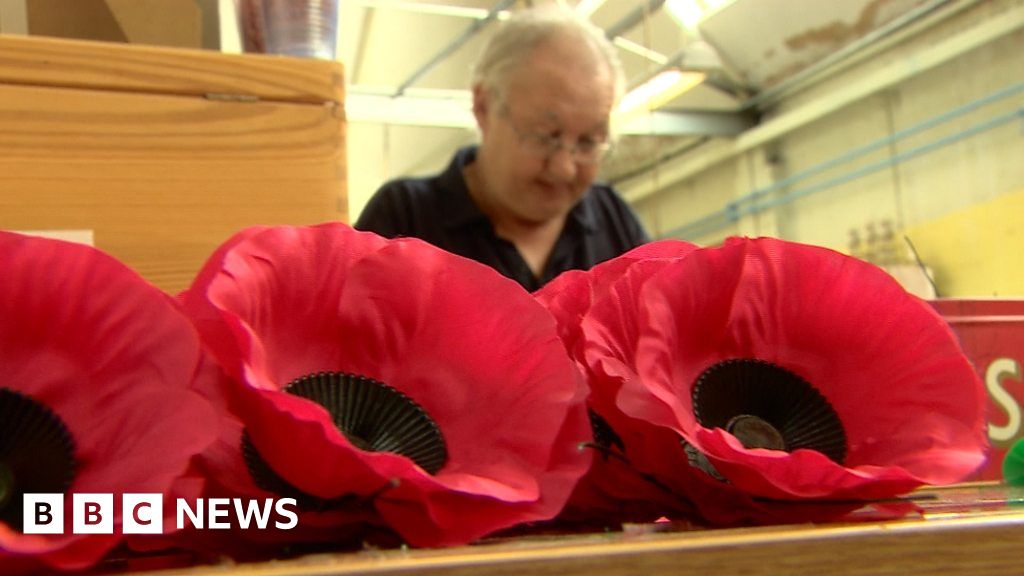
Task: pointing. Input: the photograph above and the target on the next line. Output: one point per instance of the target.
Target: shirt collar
(459, 207)
(461, 210)
(583, 213)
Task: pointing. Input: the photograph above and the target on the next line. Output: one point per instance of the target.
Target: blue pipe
(889, 162)
(736, 209)
(882, 142)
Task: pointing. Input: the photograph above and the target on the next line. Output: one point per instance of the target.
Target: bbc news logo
(143, 514)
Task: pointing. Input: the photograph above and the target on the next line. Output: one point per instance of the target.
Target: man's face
(557, 94)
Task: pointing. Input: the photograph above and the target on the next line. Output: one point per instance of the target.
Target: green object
(1013, 464)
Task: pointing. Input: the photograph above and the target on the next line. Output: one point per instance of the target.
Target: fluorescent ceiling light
(659, 90)
(687, 12)
(690, 13)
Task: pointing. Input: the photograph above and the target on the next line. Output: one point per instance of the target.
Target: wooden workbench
(965, 530)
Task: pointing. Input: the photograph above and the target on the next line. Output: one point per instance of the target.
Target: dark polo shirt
(440, 211)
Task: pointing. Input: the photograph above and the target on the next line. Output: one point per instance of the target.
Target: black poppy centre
(37, 453)
(372, 415)
(766, 406)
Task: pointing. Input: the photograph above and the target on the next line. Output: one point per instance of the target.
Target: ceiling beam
(451, 48)
(688, 123)
(362, 40)
(431, 8)
(638, 14)
(456, 112)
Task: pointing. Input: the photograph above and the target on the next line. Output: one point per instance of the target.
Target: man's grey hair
(527, 29)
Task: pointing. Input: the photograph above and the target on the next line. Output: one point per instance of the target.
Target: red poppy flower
(612, 490)
(95, 395)
(794, 372)
(325, 320)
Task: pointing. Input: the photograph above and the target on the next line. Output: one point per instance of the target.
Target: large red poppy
(460, 350)
(731, 338)
(104, 362)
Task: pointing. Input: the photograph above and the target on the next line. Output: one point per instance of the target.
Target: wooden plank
(151, 69)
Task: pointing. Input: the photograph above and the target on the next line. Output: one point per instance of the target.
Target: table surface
(968, 529)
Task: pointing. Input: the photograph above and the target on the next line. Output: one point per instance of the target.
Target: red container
(992, 335)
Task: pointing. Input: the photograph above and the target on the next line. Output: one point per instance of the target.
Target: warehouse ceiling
(408, 63)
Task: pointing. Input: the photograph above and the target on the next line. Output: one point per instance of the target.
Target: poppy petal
(455, 337)
(571, 294)
(113, 358)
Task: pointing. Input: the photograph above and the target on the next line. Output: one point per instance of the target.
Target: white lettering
(218, 508)
(282, 510)
(196, 517)
(92, 514)
(43, 514)
(142, 513)
(997, 371)
(252, 510)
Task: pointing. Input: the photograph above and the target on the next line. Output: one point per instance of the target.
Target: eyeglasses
(586, 150)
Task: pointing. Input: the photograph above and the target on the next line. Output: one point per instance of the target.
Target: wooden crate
(164, 153)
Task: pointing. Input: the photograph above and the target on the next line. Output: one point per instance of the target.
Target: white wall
(976, 169)
(379, 152)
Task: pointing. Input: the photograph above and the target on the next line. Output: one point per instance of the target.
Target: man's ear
(482, 102)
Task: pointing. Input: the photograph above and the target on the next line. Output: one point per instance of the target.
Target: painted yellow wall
(976, 251)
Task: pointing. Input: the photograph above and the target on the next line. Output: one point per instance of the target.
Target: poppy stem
(606, 451)
(657, 483)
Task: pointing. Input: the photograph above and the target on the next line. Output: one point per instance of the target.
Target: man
(524, 201)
